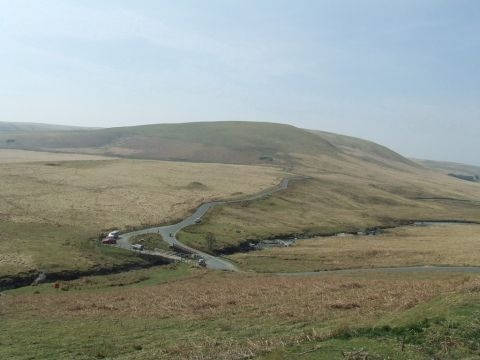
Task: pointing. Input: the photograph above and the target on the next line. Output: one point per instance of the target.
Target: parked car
(115, 234)
(198, 221)
(109, 240)
(137, 247)
(202, 262)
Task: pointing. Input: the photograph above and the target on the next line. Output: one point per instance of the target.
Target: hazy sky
(405, 73)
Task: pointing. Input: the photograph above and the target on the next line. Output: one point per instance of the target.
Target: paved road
(169, 232)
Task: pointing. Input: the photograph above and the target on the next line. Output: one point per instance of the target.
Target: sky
(404, 73)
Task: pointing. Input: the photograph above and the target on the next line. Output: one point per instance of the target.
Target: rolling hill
(352, 182)
(224, 142)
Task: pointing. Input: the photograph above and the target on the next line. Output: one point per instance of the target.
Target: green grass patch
(60, 250)
(134, 278)
(446, 328)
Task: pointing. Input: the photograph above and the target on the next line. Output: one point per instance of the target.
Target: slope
(225, 142)
(363, 149)
(364, 185)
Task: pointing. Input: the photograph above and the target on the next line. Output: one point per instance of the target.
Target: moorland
(62, 189)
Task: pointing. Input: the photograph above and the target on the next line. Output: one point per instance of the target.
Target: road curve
(169, 232)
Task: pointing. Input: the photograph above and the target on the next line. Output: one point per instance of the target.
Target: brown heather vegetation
(452, 244)
(296, 299)
(110, 193)
(228, 309)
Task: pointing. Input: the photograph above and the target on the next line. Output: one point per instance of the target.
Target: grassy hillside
(191, 314)
(345, 193)
(226, 142)
(367, 150)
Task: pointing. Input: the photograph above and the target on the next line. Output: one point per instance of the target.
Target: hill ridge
(237, 142)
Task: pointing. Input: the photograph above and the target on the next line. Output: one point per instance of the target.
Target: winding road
(169, 232)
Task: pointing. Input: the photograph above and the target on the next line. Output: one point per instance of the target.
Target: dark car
(202, 262)
(109, 240)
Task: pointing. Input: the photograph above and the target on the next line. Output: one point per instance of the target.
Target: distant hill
(225, 142)
(461, 171)
(229, 142)
(18, 127)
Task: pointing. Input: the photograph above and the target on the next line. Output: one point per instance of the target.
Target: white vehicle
(137, 247)
(115, 234)
(198, 221)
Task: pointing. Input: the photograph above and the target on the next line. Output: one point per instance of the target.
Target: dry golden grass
(49, 208)
(401, 180)
(220, 315)
(15, 260)
(116, 193)
(406, 246)
(344, 194)
(212, 295)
